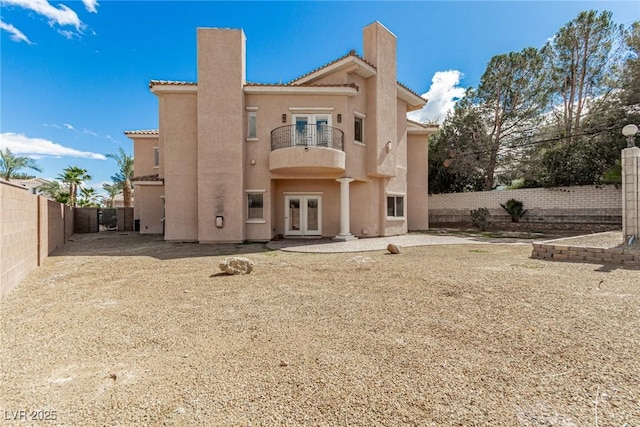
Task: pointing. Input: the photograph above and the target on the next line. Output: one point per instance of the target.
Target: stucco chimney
(221, 76)
(382, 117)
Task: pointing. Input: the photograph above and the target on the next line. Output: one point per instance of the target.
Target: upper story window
(395, 206)
(358, 129)
(156, 157)
(252, 124)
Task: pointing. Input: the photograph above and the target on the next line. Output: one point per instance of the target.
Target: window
(395, 206)
(358, 129)
(252, 125)
(156, 157)
(255, 204)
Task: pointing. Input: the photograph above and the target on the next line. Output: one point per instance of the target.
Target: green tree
(89, 197)
(580, 65)
(511, 95)
(112, 191)
(10, 164)
(54, 191)
(455, 150)
(74, 177)
(124, 175)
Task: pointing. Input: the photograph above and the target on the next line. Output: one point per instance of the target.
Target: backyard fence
(593, 208)
(31, 228)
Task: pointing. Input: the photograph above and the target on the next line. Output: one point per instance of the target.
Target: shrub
(480, 218)
(515, 209)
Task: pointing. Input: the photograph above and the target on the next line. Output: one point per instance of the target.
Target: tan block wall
(572, 202)
(86, 220)
(19, 233)
(31, 228)
(631, 192)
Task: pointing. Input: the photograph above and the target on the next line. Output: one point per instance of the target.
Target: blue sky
(74, 75)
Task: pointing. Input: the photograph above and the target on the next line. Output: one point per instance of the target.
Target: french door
(303, 215)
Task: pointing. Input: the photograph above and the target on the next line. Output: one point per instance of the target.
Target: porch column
(345, 234)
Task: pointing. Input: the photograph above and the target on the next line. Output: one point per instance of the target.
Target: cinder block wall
(18, 235)
(31, 228)
(561, 205)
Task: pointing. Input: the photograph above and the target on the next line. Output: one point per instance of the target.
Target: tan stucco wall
(366, 208)
(330, 190)
(221, 75)
(143, 154)
(151, 208)
(417, 182)
(179, 139)
(380, 50)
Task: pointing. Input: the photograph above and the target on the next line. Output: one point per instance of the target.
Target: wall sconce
(339, 118)
(388, 146)
(253, 162)
(284, 118)
(219, 221)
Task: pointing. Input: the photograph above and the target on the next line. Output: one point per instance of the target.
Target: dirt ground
(129, 330)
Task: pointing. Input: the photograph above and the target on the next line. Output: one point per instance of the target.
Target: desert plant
(480, 218)
(515, 209)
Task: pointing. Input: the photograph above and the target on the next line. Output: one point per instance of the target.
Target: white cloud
(38, 147)
(68, 126)
(68, 34)
(442, 95)
(91, 5)
(61, 15)
(16, 34)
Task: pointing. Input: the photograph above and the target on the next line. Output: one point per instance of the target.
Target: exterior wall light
(339, 118)
(388, 146)
(284, 118)
(630, 132)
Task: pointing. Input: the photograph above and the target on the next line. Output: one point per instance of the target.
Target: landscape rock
(394, 249)
(236, 265)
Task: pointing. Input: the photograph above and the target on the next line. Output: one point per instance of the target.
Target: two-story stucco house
(329, 154)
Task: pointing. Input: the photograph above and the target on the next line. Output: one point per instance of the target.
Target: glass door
(303, 215)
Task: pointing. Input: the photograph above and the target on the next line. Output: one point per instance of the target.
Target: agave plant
(515, 209)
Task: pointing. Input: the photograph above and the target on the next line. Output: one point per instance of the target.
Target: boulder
(394, 249)
(236, 265)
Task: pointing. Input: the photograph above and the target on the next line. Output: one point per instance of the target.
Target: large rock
(236, 265)
(394, 249)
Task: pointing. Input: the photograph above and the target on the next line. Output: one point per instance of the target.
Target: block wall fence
(593, 208)
(31, 228)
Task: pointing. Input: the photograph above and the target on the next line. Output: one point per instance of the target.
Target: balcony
(307, 150)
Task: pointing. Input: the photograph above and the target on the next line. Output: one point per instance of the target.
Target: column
(345, 234)
(631, 194)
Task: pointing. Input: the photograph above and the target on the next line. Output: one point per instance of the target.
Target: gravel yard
(129, 330)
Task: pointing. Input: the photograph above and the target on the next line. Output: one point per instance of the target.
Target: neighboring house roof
(417, 128)
(141, 132)
(147, 178)
(424, 125)
(171, 83)
(31, 183)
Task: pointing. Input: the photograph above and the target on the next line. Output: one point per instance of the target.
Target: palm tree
(74, 176)
(124, 175)
(54, 191)
(89, 197)
(10, 164)
(112, 191)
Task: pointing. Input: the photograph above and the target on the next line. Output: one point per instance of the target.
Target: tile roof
(171, 83)
(141, 132)
(407, 88)
(424, 125)
(32, 182)
(147, 178)
(351, 53)
(352, 85)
